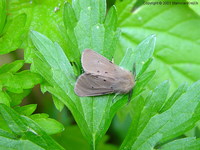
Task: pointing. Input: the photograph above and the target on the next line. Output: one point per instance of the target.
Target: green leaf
(92, 114)
(176, 56)
(55, 68)
(124, 8)
(12, 144)
(12, 67)
(4, 98)
(17, 98)
(111, 33)
(59, 105)
(180, 144)
(194, 5)
(146, 47)
(6, 134)
(152, 128)
(18, 82)
(70, 22)
(2, 15)
(72, 139)
(44, 16)
(26, 110)
(50, 126)
(26, 130)
(10, 40)
(181, 90)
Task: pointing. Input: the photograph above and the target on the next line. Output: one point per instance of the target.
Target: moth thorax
(125, 83)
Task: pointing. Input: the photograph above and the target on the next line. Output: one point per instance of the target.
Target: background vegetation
(40, 48)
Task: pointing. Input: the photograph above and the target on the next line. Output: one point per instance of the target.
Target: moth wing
(93, 85)
(95, 63)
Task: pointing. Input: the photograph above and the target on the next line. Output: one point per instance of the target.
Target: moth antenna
(134, 71)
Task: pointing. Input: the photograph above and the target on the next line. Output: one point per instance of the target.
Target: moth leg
(112, 60)
(115, 97)
(129, 96)
(134, 69)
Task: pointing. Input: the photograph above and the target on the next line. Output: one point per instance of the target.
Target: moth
(101, 76)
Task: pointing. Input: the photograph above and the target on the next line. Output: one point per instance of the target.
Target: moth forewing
(91, 85)
(96, 64)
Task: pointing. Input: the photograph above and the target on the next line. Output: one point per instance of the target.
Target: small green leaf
(39, 116)
(4, 98)
(59, 105)
(180, 144)
(12, 67)
(111, 33)
(146, 47)
(141, 82)
(10, 40)
(44, 16)
(70, 22)
(12, 144)
(181, 90)
(17, 98)
(145, 66)
(124, 8)
(50, 126)
(194, 5)
(26, 110)
(27, 129)
(2, 15)
(18, 82)
(6, 134)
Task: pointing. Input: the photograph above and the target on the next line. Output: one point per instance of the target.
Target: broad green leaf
(44, 16)
(10, 40)
(26, 129)
(12, 67)
(26, 110)
(194, 5)
(177, 50)
(2, 15)
(16, 83)
(180, 144)
(152, 128)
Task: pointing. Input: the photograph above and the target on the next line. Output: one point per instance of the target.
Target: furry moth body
(102, 76)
